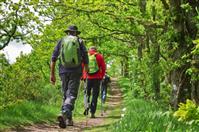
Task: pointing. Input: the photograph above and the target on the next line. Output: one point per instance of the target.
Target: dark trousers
(93, 86)
(70, 87)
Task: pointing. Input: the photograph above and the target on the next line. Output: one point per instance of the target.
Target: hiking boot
(62, 122)
(92, 115)
(69, 122)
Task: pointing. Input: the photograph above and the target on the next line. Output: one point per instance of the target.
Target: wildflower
(124, 109)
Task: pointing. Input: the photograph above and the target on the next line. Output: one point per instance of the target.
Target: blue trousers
(103, 93)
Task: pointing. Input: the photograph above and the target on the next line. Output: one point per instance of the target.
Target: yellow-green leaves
(196, 48)
(188, 112)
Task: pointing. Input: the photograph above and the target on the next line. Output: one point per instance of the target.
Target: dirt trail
(114, 100)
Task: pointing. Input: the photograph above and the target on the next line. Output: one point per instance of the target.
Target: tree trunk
(155, 56)
(192, 32)
(140, 40)
(122, 68)
(180, 80)
(195, 91)
(139, 51)
(126, 67)
(181, 86)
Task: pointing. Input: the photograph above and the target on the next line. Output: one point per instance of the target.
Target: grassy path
(100, 123)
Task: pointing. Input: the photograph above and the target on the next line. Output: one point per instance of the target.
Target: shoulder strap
(95, 54)
(78, 39)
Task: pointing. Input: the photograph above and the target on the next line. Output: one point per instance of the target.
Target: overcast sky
(13, 50)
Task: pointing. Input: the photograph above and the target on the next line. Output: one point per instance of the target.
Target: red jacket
(101, 64)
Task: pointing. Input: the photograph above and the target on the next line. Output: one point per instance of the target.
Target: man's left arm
(84, 54)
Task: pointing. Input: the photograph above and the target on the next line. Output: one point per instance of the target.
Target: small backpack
(70, 52)
(92, 66)
(106, 80)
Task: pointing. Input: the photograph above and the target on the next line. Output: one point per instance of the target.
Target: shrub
(188, 112)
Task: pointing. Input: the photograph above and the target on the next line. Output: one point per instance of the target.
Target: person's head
(72, 30)
(93, 48)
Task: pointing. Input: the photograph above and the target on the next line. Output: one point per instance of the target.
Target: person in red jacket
(95, 74)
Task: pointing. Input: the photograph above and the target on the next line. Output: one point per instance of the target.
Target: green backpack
(70, 52)
(92, 66)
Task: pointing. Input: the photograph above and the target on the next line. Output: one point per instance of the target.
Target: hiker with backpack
(106, 80)
(94, 76)
(71, 53)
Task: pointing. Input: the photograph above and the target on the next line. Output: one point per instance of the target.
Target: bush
(188, 112)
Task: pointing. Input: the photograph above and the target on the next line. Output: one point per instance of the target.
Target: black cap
(72, 28)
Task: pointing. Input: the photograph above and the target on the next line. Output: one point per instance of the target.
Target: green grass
(27, 112)
(148, 117)
(113, 116)
(32, 112)
(44, 111)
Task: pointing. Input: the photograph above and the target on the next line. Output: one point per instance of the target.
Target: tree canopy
(153, 43)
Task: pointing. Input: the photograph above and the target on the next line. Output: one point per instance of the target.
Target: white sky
(13, 50)
(15, 1)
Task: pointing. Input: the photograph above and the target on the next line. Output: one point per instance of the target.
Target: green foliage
(125, 84)
(20, 81)
(186, 7)
(27, 112)
(187, 112)
(140, 115)
(196, 48)
(18, 20)
(28, 78)
(141, 40)
(194, 70)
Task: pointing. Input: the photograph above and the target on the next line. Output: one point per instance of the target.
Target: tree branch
(11, 33)
(166, 6)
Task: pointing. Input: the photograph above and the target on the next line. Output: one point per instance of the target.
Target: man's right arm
(52, 72)
(54, 58)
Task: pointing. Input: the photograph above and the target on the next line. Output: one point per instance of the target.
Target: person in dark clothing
(70, 77)
(94, 78)
(106, 80)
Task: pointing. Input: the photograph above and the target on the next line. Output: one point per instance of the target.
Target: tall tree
(185, 30)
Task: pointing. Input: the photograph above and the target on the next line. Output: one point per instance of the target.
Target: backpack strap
(94, 54)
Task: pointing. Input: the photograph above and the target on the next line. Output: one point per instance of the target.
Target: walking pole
(101, 98)
(78, 94)
(86, 104)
